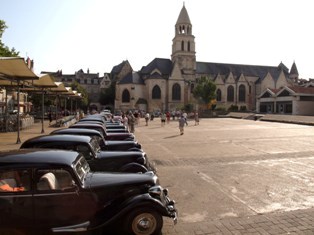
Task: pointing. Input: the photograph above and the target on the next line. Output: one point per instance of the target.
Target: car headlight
(155, 190)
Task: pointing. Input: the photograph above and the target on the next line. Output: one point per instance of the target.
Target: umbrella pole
(43, 114)
(18, 141)
(6, 110)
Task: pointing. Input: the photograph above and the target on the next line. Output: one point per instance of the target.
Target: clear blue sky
(99, 34)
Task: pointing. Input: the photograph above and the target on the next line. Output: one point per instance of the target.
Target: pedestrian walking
(50, 117)
(125, 121)
(168, 117)
(147, 118)
(131, 122)
(163, 119)
(185, 115)
(181, 124)
(196, 118)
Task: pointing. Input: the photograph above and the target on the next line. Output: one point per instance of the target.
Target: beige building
(91, 82)
(167, 84)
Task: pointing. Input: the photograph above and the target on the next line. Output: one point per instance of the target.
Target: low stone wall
(66, 121)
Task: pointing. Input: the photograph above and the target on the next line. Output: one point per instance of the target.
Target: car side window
(54, 179)
(14, 181)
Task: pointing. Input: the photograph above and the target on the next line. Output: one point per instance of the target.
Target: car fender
(138, 201)
(135, 149)
(133, 165)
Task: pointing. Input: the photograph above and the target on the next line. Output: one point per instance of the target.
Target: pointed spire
(294, 69)
(183, 16)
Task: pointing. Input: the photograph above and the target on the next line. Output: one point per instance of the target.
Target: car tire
(143, 221)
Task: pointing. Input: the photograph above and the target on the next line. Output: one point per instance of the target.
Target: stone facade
(167, 84)
(91, 82)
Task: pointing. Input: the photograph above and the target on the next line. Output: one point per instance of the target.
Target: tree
(5, 51)
(107, 96)
(204, 91)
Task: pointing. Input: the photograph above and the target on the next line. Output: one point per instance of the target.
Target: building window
(242, 93)
(189, 46)
(230, 94)
(192, 87)
(182, 46)
(176, 92)
(156, 93)
(218, 94)
(125, 96)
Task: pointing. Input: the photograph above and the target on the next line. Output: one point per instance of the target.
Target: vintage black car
(107, 133)
(113, 161)
(109, 126)
(53, 191)
(105, 145)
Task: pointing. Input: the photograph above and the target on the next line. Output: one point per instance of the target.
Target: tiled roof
(303, 90)
(131, 78)
(163, 65)
(238, 69)
(117, 69)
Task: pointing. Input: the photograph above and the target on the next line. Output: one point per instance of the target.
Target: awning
(14, 68)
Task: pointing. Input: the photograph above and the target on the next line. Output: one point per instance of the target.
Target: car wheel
(143, 221)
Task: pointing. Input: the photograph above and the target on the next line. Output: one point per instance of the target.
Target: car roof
(39, 156)
(88, 124)
(56, 137)
(76, 130)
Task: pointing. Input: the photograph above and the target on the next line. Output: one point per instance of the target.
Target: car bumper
(170, 204)
(161, 194)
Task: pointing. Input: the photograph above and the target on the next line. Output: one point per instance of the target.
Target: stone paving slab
(292, 222)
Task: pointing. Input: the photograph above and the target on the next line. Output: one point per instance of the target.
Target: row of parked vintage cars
(92, 177)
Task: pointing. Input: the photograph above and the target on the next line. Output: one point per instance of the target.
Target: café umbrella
(15, 69)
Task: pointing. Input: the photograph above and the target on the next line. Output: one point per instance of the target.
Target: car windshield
(95, 144)
(81, 168)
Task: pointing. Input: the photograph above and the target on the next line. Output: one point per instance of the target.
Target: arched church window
(218, 95)
(156, 93)
(242, 93)
(125, 96)
(230, 94)
(189, 46)
(176, 92)
(182, 46)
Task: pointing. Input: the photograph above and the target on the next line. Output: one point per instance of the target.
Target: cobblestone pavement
(229, 146)
(233, 176)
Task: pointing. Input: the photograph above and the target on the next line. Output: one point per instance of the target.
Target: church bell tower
(183, 45)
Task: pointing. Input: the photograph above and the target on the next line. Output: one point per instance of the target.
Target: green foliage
(5, 51)
(205, 90)
(188, 108)
(83, 103)
(242, 108)
(233, 108)
(107, 96)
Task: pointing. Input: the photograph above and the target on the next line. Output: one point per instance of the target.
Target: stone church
(167, 84)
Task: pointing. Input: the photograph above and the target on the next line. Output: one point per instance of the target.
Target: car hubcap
(144, 223)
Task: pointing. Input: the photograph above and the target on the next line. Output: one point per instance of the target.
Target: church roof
(183, 17)
(238, 69)
(117, 69)
(131, 78)
(163, 65)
